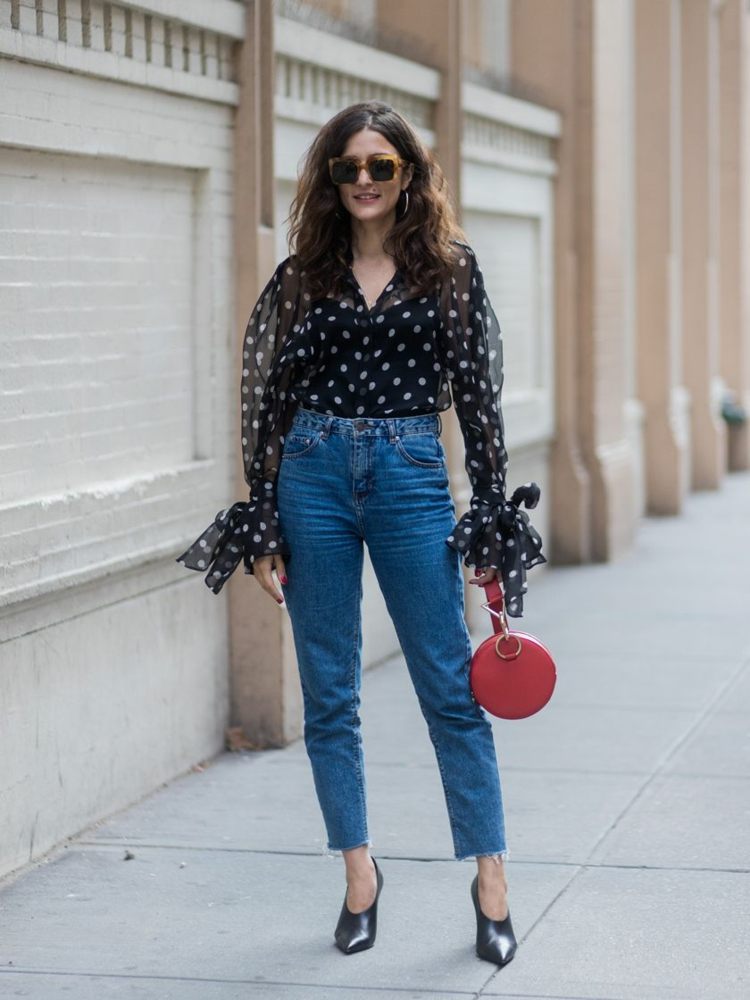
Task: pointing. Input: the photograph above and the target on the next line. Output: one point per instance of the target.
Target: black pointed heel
(496, 941)
(356, 931)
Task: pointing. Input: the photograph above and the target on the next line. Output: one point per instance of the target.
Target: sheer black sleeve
(494, 532)
(276, 345)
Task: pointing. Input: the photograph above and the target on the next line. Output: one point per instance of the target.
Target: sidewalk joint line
(243, 982)
(671, 752)
(116, 845)
(524, 937)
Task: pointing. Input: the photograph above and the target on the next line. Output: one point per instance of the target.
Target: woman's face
(386, 193)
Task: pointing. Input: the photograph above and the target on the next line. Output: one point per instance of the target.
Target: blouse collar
(351, 278)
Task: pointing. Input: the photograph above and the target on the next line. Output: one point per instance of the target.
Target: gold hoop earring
(406, 204)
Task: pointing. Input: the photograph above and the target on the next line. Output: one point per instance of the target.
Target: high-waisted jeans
(384, 481)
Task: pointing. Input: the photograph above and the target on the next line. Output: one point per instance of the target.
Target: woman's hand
(482, 576)
(263, 568)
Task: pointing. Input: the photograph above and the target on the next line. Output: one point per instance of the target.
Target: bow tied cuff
(528, 495)
(240, 533)
(496, 533)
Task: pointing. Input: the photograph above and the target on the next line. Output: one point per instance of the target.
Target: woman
(377, 323)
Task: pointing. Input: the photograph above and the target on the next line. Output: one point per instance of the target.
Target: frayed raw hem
(337, 852)
(503, 855)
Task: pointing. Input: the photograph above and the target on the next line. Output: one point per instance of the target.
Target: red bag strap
(496, 605)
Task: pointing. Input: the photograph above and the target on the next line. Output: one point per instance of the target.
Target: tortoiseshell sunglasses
(380, 167)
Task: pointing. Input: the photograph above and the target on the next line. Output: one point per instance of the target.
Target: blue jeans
(384, 481)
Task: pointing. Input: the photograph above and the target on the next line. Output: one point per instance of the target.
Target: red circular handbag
(512, 674)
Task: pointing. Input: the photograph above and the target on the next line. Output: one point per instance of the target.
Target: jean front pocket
(423, 449)
(301, 442)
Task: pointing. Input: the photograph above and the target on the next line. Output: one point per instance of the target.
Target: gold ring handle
(508, 656)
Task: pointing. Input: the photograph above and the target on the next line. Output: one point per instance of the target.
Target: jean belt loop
(327, 427)
(440, 424)
(391, 429)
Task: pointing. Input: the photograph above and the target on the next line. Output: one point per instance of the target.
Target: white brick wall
(118, 412)
(97, 376)
(115, 357)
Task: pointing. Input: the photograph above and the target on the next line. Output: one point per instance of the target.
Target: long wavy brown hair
(320, 228)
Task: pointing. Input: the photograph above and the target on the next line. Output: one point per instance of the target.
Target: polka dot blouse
(408, 354)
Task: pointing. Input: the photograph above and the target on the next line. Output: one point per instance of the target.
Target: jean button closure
(359, 425)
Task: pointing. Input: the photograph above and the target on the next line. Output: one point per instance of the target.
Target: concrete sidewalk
(627, 807)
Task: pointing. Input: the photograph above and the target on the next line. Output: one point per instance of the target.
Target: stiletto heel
(356, 931)
(496, 941)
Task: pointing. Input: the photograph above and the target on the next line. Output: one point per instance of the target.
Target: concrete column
(439, 26)
(571, 55)
(734, 220)
(265, 696)
(543, 57)
(443, 26)
(659, 245)
(700, 218)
